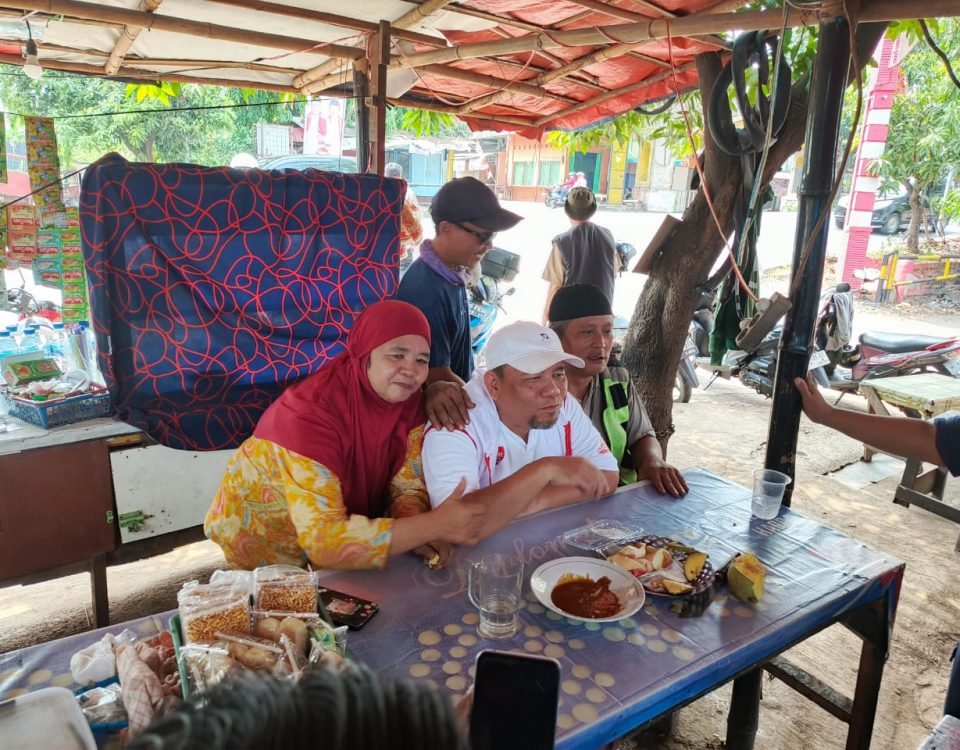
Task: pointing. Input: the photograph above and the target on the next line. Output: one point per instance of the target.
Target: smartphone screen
(514, 702)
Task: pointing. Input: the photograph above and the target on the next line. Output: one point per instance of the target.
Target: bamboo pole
(96, 71)
(128, 36)
(613, 94)
(410, 18)
(693, 25)
(124, 17)
(518, 87)
(379, 51)
(294, 11)
(449, 110)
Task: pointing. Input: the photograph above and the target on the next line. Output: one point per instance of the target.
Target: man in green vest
(582, 317)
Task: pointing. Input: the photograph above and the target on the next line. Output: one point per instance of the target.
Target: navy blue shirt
(444, 304)
(948, 442)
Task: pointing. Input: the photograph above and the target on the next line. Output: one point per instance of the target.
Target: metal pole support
(829, 79)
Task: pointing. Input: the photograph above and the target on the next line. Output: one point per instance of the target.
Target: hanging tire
(681, 390)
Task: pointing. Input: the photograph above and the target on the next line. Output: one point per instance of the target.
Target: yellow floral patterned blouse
(277, 506)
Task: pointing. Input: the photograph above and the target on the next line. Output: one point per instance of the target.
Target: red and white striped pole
(873, 139)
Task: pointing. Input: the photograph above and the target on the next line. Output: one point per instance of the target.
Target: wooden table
(617, 676)
(57, 506)
(923, 397)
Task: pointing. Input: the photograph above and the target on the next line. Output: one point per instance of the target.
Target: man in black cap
(585, 253)
(466, 217)
(583, 319)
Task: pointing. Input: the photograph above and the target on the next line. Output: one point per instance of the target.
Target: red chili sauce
(584, 597)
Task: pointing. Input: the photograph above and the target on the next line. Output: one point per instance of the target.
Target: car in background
(324, 162)
(891, 214)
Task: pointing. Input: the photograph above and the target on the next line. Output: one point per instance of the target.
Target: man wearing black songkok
(583, 319)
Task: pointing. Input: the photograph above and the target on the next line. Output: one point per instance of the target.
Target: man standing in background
(411, 228)
(585, 253)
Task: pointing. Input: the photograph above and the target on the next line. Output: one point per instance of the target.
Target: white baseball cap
(528, 347)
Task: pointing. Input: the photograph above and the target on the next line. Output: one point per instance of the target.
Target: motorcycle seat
(899, 343)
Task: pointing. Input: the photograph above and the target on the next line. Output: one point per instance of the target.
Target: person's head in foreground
(352, 709)
(581, 316)
(467, 216)
(526, 375)
(580, 205)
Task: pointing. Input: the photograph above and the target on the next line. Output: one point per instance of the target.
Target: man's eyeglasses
(482, 237)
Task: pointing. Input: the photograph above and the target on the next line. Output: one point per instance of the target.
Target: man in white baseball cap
(528, 445)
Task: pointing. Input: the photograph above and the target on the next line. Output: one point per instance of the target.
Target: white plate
(625, 586)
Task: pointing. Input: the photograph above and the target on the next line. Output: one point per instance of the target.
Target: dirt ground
(724, 430)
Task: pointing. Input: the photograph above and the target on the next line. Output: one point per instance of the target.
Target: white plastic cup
(768, 487)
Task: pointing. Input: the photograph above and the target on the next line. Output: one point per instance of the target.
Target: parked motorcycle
(485, 297)
(877, 355)
(555, 196)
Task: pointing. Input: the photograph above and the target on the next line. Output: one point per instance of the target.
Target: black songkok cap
(578, 301)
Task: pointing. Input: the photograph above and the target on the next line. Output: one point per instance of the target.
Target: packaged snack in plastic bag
(285, 588)
(206, 610)
(207, 664)
(103, 707)
(328, 645)
(294, 625)
(237, 579)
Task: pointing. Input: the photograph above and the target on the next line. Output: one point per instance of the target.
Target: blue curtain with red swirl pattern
(213, 288)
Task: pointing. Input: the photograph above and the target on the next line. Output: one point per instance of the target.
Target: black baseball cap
(468, 199)
(578, 301)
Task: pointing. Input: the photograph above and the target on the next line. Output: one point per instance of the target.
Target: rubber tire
(889, 227)
(681, 390)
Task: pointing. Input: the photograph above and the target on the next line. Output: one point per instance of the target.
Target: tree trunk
(663, 313)
(916, 219)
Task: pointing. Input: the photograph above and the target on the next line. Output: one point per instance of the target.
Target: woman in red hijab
(332, 474)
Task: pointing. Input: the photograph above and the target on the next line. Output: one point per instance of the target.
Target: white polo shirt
(487, 451)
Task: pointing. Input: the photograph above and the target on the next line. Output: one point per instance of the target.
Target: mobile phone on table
(514, 702)
(346, 609)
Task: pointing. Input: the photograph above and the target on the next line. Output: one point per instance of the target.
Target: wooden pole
(124, 17)
(693, 25)
(294, 11)
(128, 36)
(361, 90)
(379, 51)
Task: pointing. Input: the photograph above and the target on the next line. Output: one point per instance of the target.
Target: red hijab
(336, 418)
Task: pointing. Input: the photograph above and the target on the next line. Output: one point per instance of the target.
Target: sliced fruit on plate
(632, 564)
(693, 565)
(676, 587)
(659, 558)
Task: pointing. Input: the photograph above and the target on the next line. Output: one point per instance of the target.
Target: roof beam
(124, 17)
(128, 35)
(410, 18)
(96, 71)
(693, 25)
(613, 94)
(295, 11)
(623, 14)
(449, 110)
(517, 87)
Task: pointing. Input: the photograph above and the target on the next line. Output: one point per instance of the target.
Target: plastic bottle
(7, 345)
(56, 347)
(93, 368)
(30, 343)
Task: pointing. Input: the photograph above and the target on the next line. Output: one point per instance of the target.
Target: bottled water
(7, 345)
(56, 347)
(30, 343)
